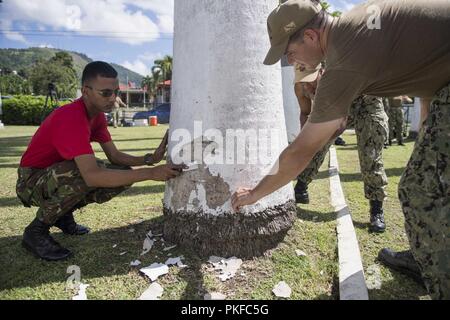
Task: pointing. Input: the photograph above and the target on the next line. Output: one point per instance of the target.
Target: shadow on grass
(354, 146)
(10, 202)
(400, 287)
(315, 216)
(133, 191)
(13, 146)
(96, 257)
(9, 165)
(143, 190)
(390, 172)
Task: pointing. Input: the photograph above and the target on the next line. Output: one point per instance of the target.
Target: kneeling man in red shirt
(59, 173)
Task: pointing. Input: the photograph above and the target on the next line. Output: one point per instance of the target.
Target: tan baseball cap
(284, 21)
(306, 75)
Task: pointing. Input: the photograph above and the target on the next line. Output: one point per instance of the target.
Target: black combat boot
(402, 261)
(377, 216)
(301, 193)
(38, 241)
(339, 141)
(68, 225)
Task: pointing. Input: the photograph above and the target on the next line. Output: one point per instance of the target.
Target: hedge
(25, 110)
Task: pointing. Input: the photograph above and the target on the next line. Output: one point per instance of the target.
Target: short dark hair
(98, 68)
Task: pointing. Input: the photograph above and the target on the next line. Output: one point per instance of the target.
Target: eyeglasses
(106, 93)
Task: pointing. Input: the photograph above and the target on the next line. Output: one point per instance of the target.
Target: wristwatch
(148, 159)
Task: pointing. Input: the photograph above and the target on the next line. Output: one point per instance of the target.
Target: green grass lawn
(394, 284)
(110, 275)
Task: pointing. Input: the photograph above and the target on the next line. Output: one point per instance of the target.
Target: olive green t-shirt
(408, 55)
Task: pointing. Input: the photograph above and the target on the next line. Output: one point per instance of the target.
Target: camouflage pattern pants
(313, 167)
(424, 191)
(59, 189)
(387, 110)
(116, 117)
(396, 120)
(371, 127)
(370, 121)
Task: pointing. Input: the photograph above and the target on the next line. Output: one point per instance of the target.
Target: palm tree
(165, 65)
(151, 82)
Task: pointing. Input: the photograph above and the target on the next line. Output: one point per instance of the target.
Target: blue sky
(132, 33)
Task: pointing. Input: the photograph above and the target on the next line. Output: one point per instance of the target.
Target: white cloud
(16, 36)
(45, 45)
(150, 56)
(138, 66)
(165, 24)
(6, 24)
(163, 9)
(341, 5)
(113, 18)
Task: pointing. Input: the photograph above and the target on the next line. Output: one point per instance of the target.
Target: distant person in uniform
(116, 112)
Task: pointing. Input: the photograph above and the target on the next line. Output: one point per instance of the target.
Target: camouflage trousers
(371, 127)
(60, 189)
(396, 120)
(307, 176)
(116, 114)
(370, 121)
(424, 191)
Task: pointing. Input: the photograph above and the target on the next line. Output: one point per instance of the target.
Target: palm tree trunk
(224, 85)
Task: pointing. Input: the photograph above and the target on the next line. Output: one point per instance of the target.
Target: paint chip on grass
(147, 246)
(228, 267)
(215, 296)
(300, 253)
(154, 292)
(135, 263)
(155, 270)
(81, 292)
(282, 290)
(176, 262)
(169, 248)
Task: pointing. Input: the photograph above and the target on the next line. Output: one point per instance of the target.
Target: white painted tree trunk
(219, 81)
(415, 113)
(290, 101)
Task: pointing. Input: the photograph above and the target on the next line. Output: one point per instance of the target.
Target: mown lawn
(124, 222)
(394, 285)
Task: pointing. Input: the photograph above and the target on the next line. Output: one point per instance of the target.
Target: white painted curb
(352, 284)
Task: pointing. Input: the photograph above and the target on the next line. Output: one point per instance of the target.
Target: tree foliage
(58, 70)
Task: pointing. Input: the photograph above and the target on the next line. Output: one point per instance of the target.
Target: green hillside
(22, 59)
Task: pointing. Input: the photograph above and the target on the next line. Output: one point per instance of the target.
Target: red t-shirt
(65, 134)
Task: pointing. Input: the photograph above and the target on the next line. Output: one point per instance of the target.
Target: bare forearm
(108, 178)
(291, 163)
(296, 157)
(303, 119)
(124, 159)
(424, 109)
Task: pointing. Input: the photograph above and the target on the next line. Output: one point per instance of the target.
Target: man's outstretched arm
(121, 158)
(293, 160)
(97, 177)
